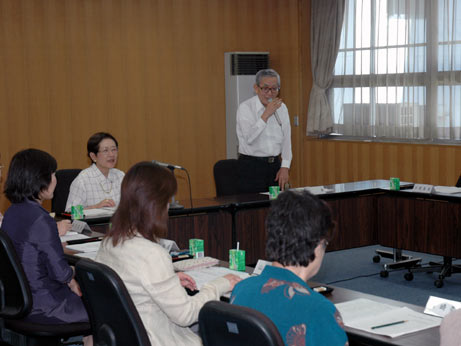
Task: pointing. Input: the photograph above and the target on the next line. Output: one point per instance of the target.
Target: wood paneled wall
(150, 72)
(329, 161)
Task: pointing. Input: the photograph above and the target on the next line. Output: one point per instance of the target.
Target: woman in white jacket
(131, 249)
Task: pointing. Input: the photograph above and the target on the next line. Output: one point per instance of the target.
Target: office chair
(228, 325)
(114, 318)
(444, 269)
(226, 177)
(16, 303)
(65, 177)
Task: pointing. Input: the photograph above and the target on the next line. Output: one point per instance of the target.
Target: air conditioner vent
(248, 64)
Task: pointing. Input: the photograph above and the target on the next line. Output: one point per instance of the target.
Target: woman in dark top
(56, 295)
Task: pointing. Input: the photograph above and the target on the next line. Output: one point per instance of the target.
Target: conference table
(223, 221)
(365, 213)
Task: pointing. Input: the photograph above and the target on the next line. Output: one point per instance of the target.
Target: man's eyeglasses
(106, 151)
(267, 89)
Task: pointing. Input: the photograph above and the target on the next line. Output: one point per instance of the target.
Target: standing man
(264, 135)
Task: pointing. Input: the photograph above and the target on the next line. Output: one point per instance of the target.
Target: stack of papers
(384, 319)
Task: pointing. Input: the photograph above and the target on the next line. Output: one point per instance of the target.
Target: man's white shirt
(258, 138)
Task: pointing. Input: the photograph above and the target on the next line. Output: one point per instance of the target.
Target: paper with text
(363, 314)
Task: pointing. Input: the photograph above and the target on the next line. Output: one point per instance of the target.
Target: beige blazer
(163, 304)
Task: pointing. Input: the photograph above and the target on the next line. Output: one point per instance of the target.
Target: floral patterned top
(302, 316)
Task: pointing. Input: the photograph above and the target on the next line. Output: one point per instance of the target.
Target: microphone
(167, 165)
(276, 114)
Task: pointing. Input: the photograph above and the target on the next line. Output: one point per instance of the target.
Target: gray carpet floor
(354, 269)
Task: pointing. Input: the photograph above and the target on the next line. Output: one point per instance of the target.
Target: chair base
(444, 269)
(13, 338)
(400, 261)
(20, 333)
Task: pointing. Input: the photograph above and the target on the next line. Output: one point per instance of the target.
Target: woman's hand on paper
(233, 280)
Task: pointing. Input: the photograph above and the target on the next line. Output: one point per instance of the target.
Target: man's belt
(267, 159)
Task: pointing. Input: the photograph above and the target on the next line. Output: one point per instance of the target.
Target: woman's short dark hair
(297, 222)
(146, 190)
(93, 142)
(29, 173)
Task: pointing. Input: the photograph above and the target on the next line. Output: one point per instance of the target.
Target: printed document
(204, 275)
(384, 319)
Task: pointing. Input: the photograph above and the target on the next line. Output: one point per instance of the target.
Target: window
(398, 70)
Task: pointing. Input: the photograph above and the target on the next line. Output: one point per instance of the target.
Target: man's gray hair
(267, 73)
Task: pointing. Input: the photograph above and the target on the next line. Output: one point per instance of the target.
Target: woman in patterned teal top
(297, 226)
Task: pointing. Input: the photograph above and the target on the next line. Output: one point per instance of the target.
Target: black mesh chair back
(228, 325)
(226, 177)
(113, 316)
(16, 303)
(15, 294)
(458, 183)
(65, 177)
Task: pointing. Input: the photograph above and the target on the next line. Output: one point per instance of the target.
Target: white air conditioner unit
(239, 70)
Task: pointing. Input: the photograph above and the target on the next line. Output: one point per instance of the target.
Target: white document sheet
(363, 314)
(447, 189)
(92, 246)
(72, 236)
(204, 275)
(99, 212)
(315, 190)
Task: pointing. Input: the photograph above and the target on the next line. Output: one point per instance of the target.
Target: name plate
(423, 188)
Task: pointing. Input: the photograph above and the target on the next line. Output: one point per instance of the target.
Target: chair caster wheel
(376, 259)
(438, 283)
(384, 273)
(408, 276)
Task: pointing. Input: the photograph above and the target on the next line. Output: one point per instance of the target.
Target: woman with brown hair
(132, 250)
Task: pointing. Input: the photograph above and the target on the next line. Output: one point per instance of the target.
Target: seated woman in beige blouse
(131, 249)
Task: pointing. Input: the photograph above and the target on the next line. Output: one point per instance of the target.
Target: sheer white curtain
(397, 74)
(326, 22)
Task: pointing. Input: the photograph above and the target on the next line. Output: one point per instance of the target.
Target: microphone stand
(173, 204)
